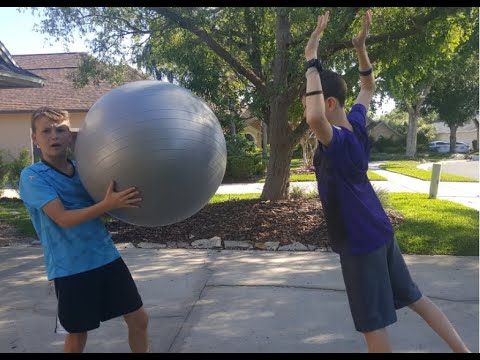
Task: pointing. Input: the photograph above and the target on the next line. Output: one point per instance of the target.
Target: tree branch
(300, 131)
(341, 29)
(188, 25)
(254, 42)
(419, 22)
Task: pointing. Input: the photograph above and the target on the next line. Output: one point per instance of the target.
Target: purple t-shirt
(357, 223)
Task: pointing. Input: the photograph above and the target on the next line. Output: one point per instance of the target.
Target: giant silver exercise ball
(158, 137)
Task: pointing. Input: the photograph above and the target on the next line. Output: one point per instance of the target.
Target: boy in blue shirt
(376, 277)
(92, 283)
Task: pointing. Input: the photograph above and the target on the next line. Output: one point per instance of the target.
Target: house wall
(15, 131)
(383, 131)
(463, 136)
(256, 134)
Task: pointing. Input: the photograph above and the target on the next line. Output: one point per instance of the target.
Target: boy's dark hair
(333, 85)
(53, 114)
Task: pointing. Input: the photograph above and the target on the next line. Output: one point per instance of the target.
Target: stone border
(214, 243)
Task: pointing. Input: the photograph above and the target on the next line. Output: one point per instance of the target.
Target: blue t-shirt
(356, 221)
(71, 250)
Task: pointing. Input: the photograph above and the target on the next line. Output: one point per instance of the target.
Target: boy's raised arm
(367, 80)
(314, 101)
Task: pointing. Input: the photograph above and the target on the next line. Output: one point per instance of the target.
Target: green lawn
(409, 168)
(430, 157)
(296, 164)
(16, 214)
(435, 227)
(431, 227)
(311, 177)
(217, 198)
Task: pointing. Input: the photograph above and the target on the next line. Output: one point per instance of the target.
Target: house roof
(374, 124)
(442, 128)
(58, 91)
(13, 76)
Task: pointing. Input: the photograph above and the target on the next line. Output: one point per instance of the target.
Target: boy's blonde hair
(56, 115)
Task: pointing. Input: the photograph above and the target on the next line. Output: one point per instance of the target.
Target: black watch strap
(313, 63)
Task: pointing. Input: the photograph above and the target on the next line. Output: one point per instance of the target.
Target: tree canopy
(237, 57)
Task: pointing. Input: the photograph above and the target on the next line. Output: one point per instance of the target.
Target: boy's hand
(312, 44)
(121, 199)
(359, 40)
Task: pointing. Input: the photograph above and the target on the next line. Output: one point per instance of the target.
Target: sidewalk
(464, 193)
(208, 301)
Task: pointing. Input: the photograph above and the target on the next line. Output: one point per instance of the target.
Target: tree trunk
(475, 120)
(281, 150)
(453, 137)
(233, 128)
(413, 115)
(412, 132)
(281, 136)
(308, 143)
(264, 140)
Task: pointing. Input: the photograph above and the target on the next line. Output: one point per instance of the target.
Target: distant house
(13, 76)
(253, 128)
(17, 105)
(466, 133)
(378, 129)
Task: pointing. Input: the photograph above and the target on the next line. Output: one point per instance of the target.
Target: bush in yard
(241, 167)
(387, 145)
(3, 168)
(16, 166)
(297, 151)
(383, 197)
(243, 159)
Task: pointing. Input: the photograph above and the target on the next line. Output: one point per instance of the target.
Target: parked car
(461, 147)
(439, 146)
(444, 146)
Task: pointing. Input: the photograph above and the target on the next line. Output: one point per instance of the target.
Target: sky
(18, 36)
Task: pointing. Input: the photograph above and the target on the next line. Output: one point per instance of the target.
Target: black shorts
(377, 284)
(87, 298)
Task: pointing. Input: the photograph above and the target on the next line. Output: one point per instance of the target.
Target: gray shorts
(377, 284)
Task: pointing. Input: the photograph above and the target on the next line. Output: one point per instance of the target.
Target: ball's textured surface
(158, 137)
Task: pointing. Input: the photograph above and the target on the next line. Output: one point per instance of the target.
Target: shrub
(241, 167)
(297, 151)
(3, 168)
(297, 193)
(243, 159)
(16, 166)
(238, 145)
(384, 145)
(383, 197)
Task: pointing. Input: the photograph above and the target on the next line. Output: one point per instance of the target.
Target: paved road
(464, 168)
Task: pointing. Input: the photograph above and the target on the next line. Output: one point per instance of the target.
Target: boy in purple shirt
(377, 280)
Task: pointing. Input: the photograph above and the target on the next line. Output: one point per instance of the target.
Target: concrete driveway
(207, 301)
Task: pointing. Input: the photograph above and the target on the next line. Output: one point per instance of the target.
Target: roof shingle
(58, 91)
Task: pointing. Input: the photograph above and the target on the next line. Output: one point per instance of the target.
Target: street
(466, 168)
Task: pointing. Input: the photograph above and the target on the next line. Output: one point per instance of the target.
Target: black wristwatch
(313, 62)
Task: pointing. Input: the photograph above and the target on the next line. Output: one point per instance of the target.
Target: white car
(439, 146)
(461, 147)
(444, 147)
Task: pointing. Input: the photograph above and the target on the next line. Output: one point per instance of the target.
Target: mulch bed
(285, 221)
